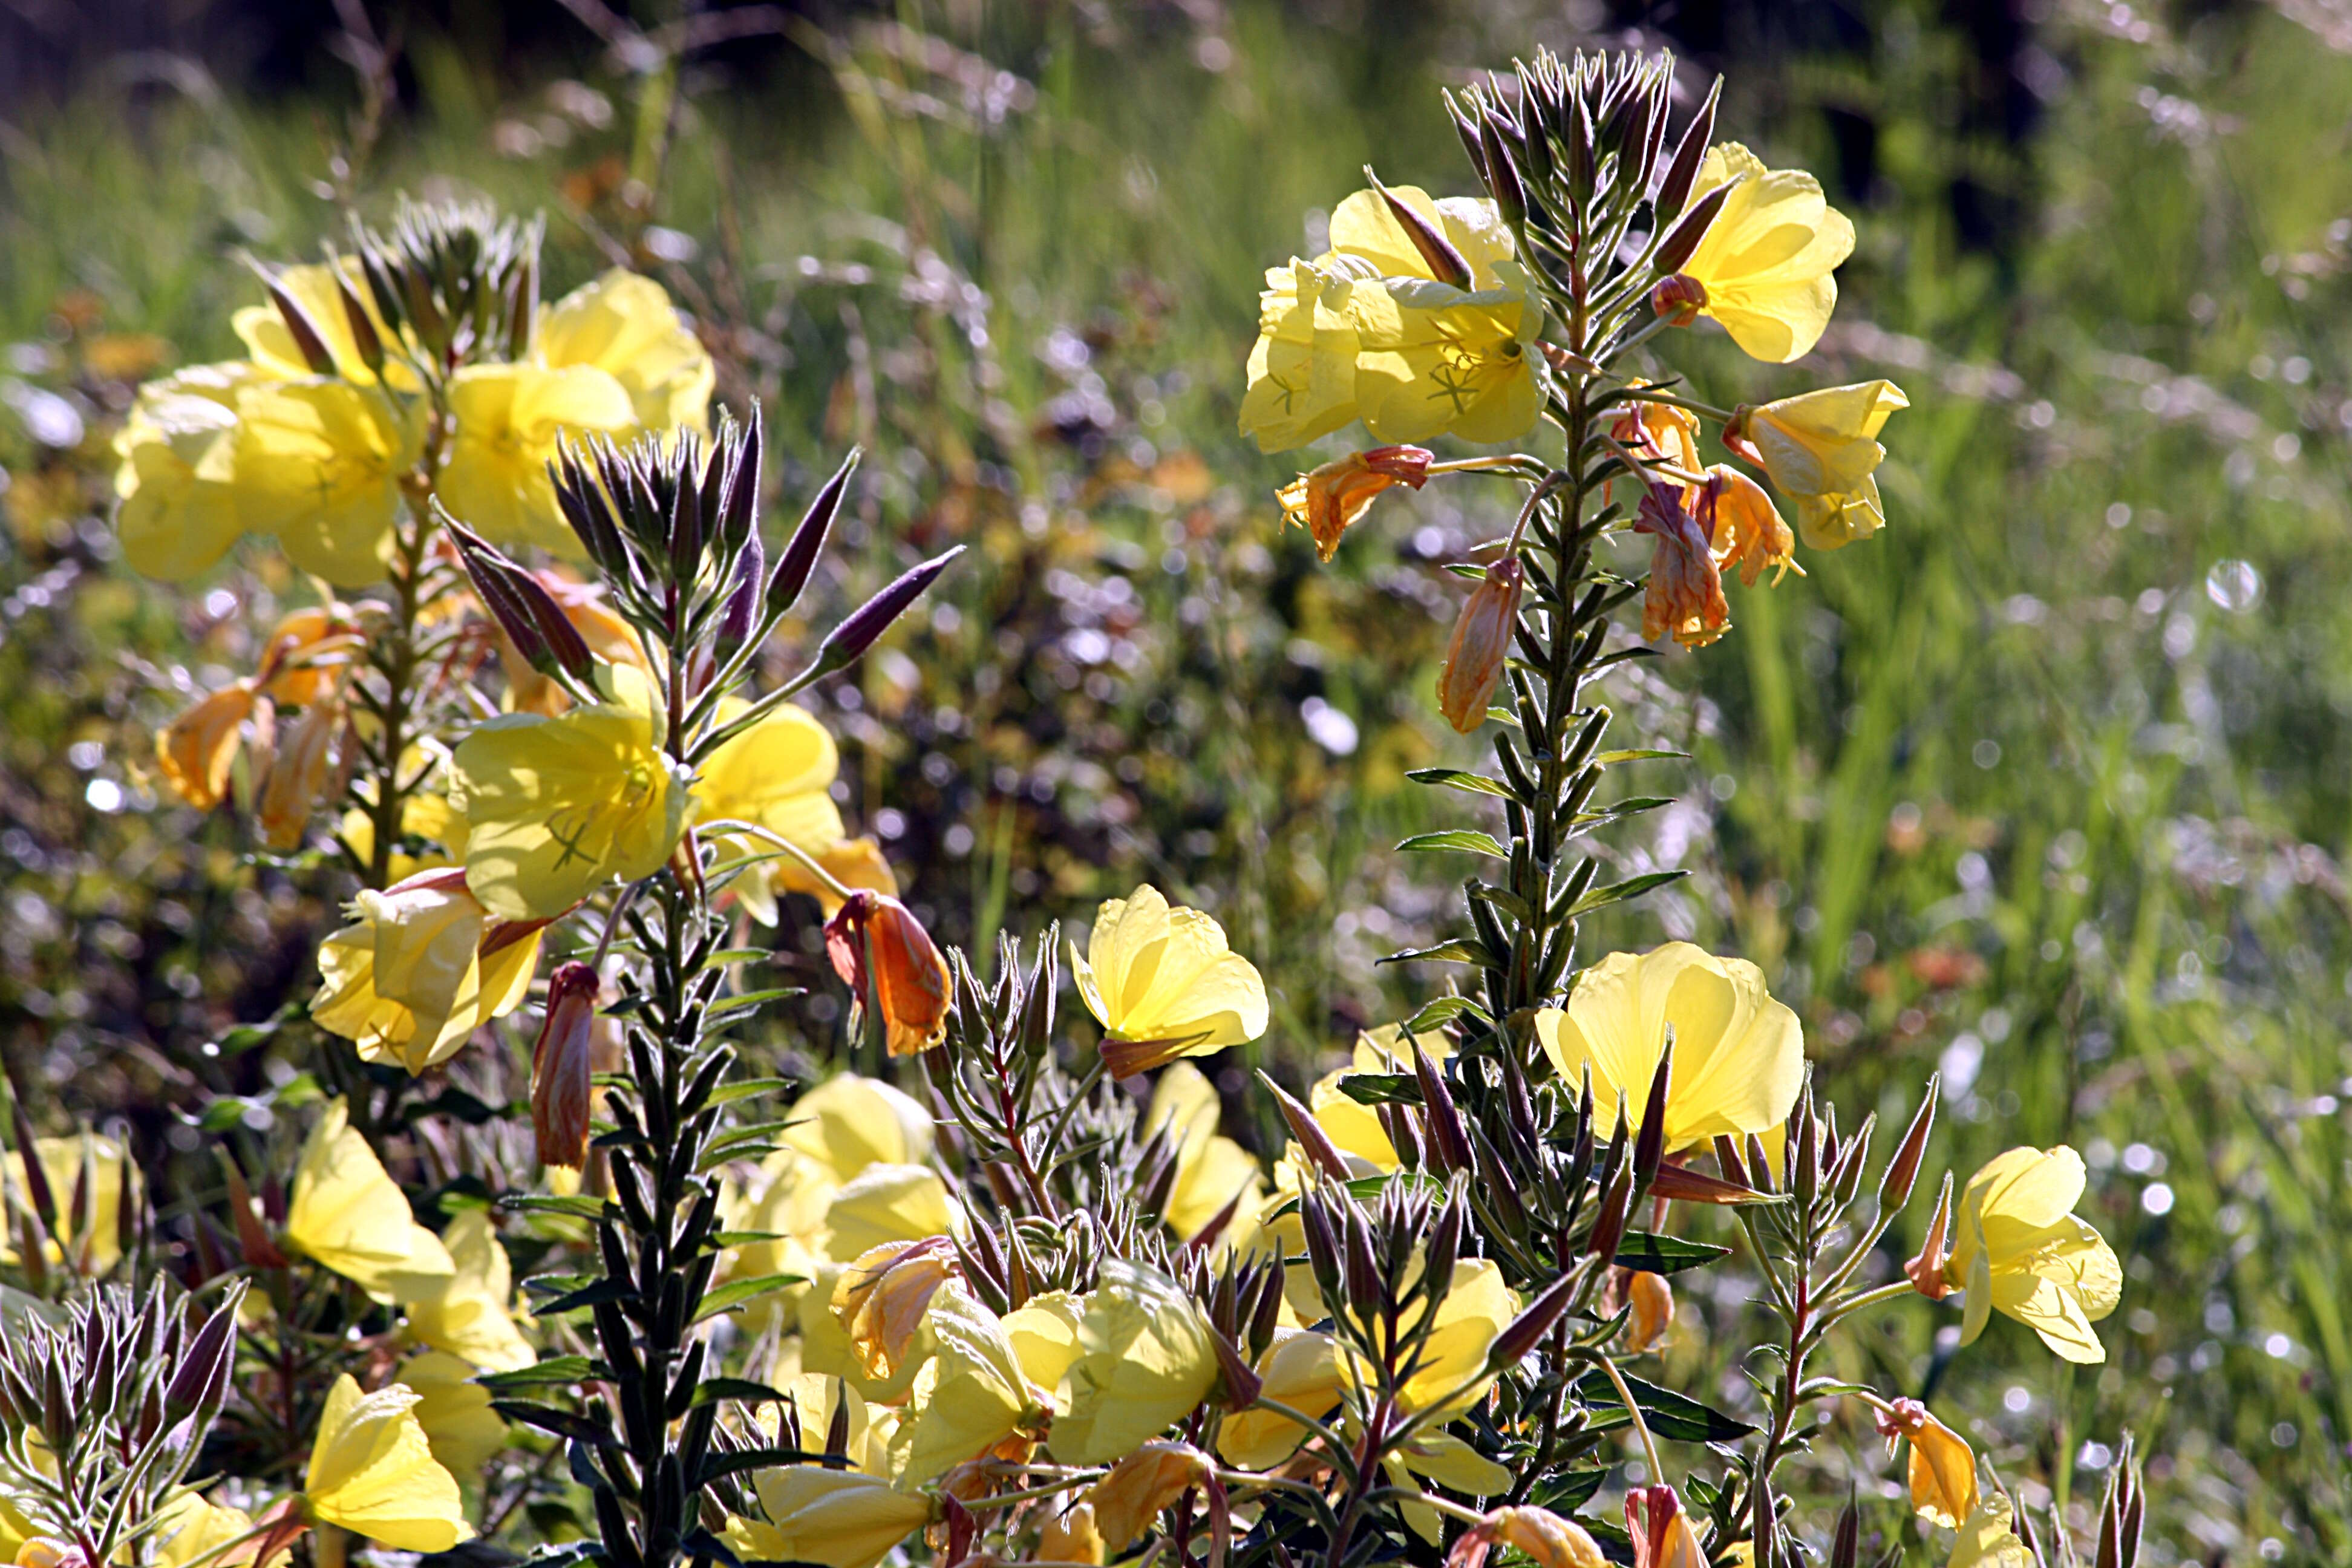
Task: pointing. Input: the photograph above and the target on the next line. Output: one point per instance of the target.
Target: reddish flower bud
(561, 1066)
(1679, 298)
(1482, 640)
(884, 954)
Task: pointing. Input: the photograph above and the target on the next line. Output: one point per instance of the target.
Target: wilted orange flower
(1659, 430)
(874, 935)
(1653, 1301)
(561, 1065)
(299, 774)
(1128, 1499)
(1686, 593)
(881, 1297)
(1552, 1542)
(307, 653)
(1482, 640)
(1743, 525)
(1662, 1536)
(1943, 1468)
(1330, 497)
(196, 750)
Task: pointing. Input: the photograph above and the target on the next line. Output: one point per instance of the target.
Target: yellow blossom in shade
(313, 286)
(1739, 1056)
(1300, 1370)
(1212, 1170)
(1071, 1537)
(1766, 260)
(372, 1472)
(1544, 1537)
(1988, 1539)
(883, 1294)
(196, 752)
(1144, 1361)
(1302, 370)
(969, 1397)
(838, 1519)
(1327, 500)
(454, 1412)
(1943, 1468)
(2018, 1249)
(1451, 1373)
(825, 1347)
(849, 1122)
(787, 1199)
(510, 420)
(346, 1214)
(62, 1163)
(420, 969)
(319, 463)
(1043, 1332)
(176, 471)
(623, 324)
(188, 1526)
(1821, 449)
(1128, 1499)
(1652, 1299)
(1164, 985)
(890, 1202)
(466, 1312)
(557, 807)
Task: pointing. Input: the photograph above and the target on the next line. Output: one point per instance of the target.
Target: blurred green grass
(2048, 786)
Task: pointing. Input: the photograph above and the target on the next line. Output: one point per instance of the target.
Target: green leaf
(1465, 949)
(1464, 838)
(554, 1371)
(1631, 806)
(717, 1466)
(737, 955)
(1654, 1254)
(1454, 778)
(745, 1087)
(1443, 1011)
(1382, 1087)
(1633, 754)
(735, 1292)
(744, 1390)
(721, 1240)
(578, 1205)
(1566, 1494)
(548, 1419)
(751, 999)
(1668, 1414)
(1618, 892)
(601, 1291)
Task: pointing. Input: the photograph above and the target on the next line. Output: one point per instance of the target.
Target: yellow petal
(319, 463)
(466, 1312)
(372, 1472)
(624, 325)
(1153, 973)
(346, 1214)
(849, 1122)
(1144, 1362)
(454, 1412)
(509, 419)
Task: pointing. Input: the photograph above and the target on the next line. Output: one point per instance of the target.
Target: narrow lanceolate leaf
(1634, 754)
(1468, 839)
(548, 1418)
(578, 1205)
(735, 1292)
(1436, 1015)
(742, 1390)
(1382, 1087)
(1672, 1415)
(1454, 778)
(1653, 1254)
(555, 1371)
(1462, 950)
(1618, 892)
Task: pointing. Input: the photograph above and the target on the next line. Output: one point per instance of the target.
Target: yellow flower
(177, 472)
(1434, 358)
(60, 1160)
(1300, 1370)
(970, 1397)
(838, 1519)
(1128, 1499)
(313, 286)
(1988, 1539)
(1653, 1301)
(509, 418)
(1546, 1539)
(422, 967)
(196, 752)
(318, 463)
(2018, 1249)
(1451, 1373)
(789, 1201)
(881, 1297)
(777, 775)
(1663, 1534)
(1302, 370)
(1164, 985)
(1043, 1332)
(624, 325)
(890, 1202)
(346, 1214)
(1072, 1537)
(298, 773)
(1821, 450)
(1330, 498)
(557, 807)
(1212, 1170)
(849, 1122)
(454, 1412)
(1943, 1468)
(854, 863)
(188, 1526)
(1739, 1056)
(466, 1312)
(1144, 1361)
(1767, 258)
(372, 1472)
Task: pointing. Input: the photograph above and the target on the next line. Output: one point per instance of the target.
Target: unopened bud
(1690, 152)
(1902, 1169)
(1925, 1270)
(1609, 1228)
(1525, 1332)
(309, 342)
(1480, 644)
(1690, 229)
(853, 636)
(1679, 298)
(561, 1066)
(1309, 1131)
(1446, 264)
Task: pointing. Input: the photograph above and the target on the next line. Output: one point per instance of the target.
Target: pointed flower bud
(1679, 298)
(853, 637)
(561, 1066)
(1480, 642)
(1446, 264)
(884, 954)
(1926, 1271)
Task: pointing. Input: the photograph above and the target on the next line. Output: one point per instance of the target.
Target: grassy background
(2048, 786)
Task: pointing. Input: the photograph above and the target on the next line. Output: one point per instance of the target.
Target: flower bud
(1691, 227)
(884, 955)
(1309, 1131)
(1662, 1532)
(1679, 298)
(1902, 1169)
(1926, 1271)
(866, 623)
(1480, 642)
(1446, 264)
(307, 340)
(561, 1065)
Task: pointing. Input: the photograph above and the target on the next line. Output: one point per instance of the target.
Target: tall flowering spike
(1480, 642)
(884, 954)
(1330, 498)
(562, 1065)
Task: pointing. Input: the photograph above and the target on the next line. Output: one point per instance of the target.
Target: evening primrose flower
(1144, 1361)
(454, 1410)
(2018, 1249)
(1739, 1054)
(1765, 263)
(1943, 1468)
(189, 1527)
(557, 807)
(838, 1519)
(466, 1312)
(319, 463)
(317, 287)
(1663, 1534)
(1742, 527)
(885, 958)
(1452, 1375)
(624, 325)
(1128, 1499)
(61, 1161)
(299, 771)
(881, 1297)
(1988, 1538)
(971, 1396)
(1302, 370)
(1164, 985)
(176, 470)
(1212, 1170)
(778, 774)
(1299, 1369)
(510, 419)
(196, 752)
(890, 1202)
(421, 967)
(346, 1214)
(1327, 500)
(1821, 449)
(849, 1122)
(372, 1472)
(1652, 1299)
(1547, 1539)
